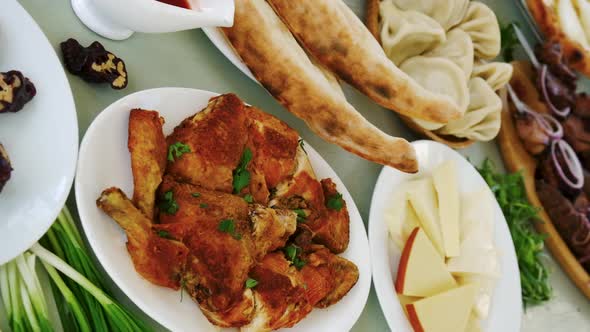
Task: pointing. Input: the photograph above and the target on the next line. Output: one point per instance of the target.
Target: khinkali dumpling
(482, 120)
(481, 24)
(496, 74)
(441, 76)
(458, 48)
(447, 14)
(406, 34)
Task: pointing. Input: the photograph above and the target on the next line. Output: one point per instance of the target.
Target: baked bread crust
(277, 61)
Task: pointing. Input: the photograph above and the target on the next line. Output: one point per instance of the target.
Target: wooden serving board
(516, 159)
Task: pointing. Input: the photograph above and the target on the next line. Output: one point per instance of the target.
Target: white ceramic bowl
(506, 309)
(104, 162)
(118, 19)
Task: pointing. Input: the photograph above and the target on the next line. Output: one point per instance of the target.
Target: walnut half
(5, 167)
(94, 63)
(15, 91)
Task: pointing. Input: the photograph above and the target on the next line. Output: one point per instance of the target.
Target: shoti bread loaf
(333, 34)
(279, 63)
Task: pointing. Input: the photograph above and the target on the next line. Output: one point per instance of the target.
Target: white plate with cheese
(460, 242)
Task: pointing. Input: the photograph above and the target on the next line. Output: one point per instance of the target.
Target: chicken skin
(229, 208)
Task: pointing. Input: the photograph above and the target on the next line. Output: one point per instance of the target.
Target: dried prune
(94, 63)
(5, 167)
(15, 91)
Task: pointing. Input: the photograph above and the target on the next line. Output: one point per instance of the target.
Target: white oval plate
(104, 162)
(41, 139)
(506, 310)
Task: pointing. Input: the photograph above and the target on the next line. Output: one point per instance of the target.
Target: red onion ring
(548, 124)
(543, 79)
(572, 162)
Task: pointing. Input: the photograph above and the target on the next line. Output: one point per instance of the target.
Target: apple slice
(446, 185)
(422, 271)
(423, 199)
(445, 312)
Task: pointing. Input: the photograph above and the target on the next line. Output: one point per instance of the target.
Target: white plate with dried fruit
(41, 139)
(441, 250)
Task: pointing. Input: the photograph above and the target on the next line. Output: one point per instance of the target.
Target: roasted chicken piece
(274, 146)
(147, 147)
(332, 229)
(271, 228)
(216, 138)
(280, 296)
(156, 256)
(328, 277)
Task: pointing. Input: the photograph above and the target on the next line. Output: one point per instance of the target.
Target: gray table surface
(189, 59)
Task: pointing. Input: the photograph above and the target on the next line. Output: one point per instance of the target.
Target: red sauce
(177, 3)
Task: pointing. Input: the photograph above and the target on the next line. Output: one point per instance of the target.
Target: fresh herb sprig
(176, 150)
(241, 176)
(509, 41)
(335, 202)
(510, 193)
(292, 253)
(229, 226)
(168, 204)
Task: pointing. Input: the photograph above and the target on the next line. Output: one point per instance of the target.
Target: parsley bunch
(510, 193)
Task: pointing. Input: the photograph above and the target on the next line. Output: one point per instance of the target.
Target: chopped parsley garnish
(204, 205)
(241, 174)
(302, 145)
(292, 254)
(164, 234)
(251, 283)
(301, 215)
(176, 150)
(196, 195)
(248, 198)
(182, 286)
(168, 205)
(520, 215)
(509, 41)
(335, 202)
(228, 226)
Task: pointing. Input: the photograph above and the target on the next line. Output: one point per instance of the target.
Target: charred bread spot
(94, 63)
(5, 167)
(15, 91)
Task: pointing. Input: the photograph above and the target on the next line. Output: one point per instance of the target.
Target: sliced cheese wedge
(479, 261)
(400, 217)
(485, 289)
(422, 272)
(473, 324)
(446, 185)
(444, 312)
(423, 199)
(477, 220)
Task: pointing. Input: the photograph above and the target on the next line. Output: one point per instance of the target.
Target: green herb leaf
(509, 41)
(249, 198)
(251, 283)
(196, 195)
(301, 215)
(176, 150)
(168, 205)
(228, 226)
(292, 255)
(335, 202)
(204, 205)
(241, 176)
(164, 234)
(510, 193)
